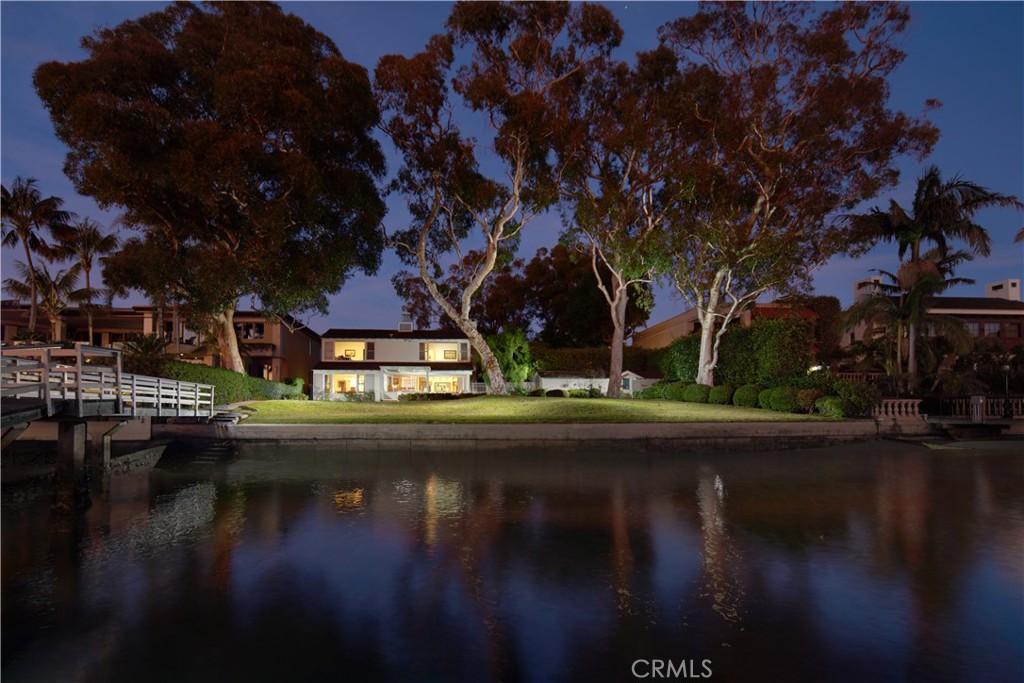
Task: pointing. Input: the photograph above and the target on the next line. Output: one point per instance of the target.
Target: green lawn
(506, 409)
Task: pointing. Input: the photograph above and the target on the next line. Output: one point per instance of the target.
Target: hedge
(860, 398)
(696, 393)
(555, 393)
(764, 398)
(746, 396)
(721, 395)
(230, 386)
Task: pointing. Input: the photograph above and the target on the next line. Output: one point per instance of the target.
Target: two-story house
(388, 363)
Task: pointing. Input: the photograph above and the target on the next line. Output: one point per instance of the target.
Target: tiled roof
(360, 334)
(378, 364)
(978, 302)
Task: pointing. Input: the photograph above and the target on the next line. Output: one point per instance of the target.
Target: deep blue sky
(970, 56)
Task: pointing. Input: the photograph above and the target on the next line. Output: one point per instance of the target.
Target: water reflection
(869, 563)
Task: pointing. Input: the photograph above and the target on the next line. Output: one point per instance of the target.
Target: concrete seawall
(467, 437)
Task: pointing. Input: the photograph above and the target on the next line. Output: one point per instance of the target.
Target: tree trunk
(32, 286)
(227, 341)
(708, 359)
(496, 380)
(54, 322)
(912, 357)
(618, 310)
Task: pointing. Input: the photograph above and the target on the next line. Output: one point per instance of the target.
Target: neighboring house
(631, 381)
(662, 334)
(270, 348)
(384, 364)
(998, 316)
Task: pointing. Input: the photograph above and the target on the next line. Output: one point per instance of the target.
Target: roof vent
(405, 324)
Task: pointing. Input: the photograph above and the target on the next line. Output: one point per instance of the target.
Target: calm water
(875, 562)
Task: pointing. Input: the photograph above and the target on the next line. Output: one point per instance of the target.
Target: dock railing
(49, 372)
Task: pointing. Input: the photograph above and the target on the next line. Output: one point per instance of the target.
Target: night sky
(970, 56)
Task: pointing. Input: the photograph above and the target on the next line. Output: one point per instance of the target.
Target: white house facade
(382, 365)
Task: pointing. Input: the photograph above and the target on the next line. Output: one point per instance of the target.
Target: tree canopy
(518, 54)
(789, 105)
(238, 138)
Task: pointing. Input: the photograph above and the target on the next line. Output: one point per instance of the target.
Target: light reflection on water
(878, 562)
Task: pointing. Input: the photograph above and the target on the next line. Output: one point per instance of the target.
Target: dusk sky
(970, 56)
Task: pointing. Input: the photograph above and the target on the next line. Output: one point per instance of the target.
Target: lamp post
(1007, 408)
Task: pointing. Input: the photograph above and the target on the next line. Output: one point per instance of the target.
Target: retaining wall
(634, 437)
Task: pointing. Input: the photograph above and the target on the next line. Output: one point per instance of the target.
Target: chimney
(862, 289)
(1007, 289)
(405, 324)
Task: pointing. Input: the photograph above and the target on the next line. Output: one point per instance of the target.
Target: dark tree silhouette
(238, 136)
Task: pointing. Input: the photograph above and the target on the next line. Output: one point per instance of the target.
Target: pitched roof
(977, 302)
(377, 365)
(360, 334)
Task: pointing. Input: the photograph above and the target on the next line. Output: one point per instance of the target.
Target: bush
(783, 349)
(764, 398)
(682, 357)
(577, 393)
(721, 395)
(555, 393)
(696, 393)
(427, 396)
(783, 400)
(746, 396)
(674, 391)
(737, 359)
(806, 398)
(831, 406)
(860, 398)
(537, 392)
(654, 392)
(228, 386)
(354, 397)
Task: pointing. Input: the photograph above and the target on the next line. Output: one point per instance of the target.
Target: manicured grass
(506, 410)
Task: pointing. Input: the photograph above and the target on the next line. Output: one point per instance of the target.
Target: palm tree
(901, 305)
(55, 291)
(25, 213)
(84, 242)
(941, 213)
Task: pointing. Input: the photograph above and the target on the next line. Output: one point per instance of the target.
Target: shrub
(696, 393)
(428, 396)
(721, 395)
(674, 391)
(806, 398)
(653, 392)
(746, 396)
(831, 406)
(682, 357)
(783, 349)
(537, 392)
(228, 386)
(354, 397)
(577, 393)
(737, 359)
(783, 399)
(860, 398)
(555, 393)
(764, 399)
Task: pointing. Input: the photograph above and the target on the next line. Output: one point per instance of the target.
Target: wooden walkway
(44, 381)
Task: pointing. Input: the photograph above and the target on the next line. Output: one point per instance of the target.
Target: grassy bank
(507, 410)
